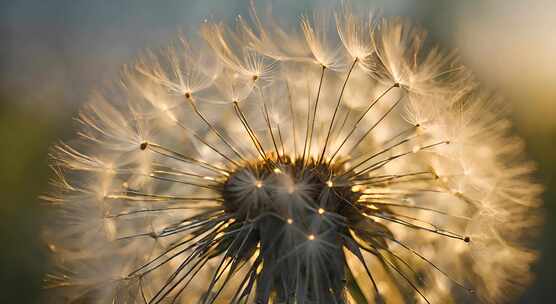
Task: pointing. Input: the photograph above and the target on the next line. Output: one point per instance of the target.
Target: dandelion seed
(234, 171)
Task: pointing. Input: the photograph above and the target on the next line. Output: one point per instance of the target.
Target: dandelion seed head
(343, 162)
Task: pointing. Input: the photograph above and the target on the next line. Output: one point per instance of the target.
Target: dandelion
(340, 163)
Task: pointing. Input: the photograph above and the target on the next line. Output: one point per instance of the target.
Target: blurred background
(54, 53)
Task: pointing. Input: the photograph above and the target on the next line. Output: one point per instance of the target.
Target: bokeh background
(53, 54)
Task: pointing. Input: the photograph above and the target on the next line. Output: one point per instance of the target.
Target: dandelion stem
(292, 113)
(213, 129)
(250, 132)
(269, 126)
(383, 162)
(309, 135)
(336, 110)
(354, 146)
(178, 156)
(413, 251)
(359, 121)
